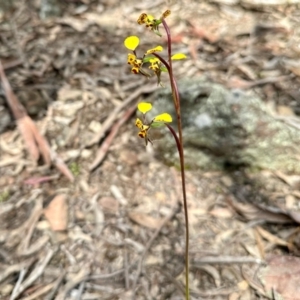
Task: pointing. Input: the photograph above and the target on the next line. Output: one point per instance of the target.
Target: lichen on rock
(227, 127)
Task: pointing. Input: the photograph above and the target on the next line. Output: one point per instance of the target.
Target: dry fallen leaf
(57, 213)
(282, 276)
(243, 285)
(62, 167)
(252, 211)
(109, 204)
(76, 23)
(271, 237)
(291, 180)
(221, 212)
(283, 110)
(35, 142)
(145, 220)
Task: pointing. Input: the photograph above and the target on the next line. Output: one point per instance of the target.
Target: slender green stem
(179, 143)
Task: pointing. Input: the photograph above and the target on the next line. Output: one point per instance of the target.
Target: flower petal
(131, 59)
(142, 134)
(135, 70)
(156, 49)
(131, 42)
(142, 18)
(139, 124)
(166, 13)
(150, 18)
(144, 107)
(178, 56)
(154, 60)
(165, 118)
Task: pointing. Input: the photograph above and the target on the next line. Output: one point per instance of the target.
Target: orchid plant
(157, 121)
(156, 65)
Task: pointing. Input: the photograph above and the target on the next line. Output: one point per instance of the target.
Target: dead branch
(35, 142)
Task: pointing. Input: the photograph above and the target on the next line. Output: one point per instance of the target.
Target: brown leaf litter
(112, 227)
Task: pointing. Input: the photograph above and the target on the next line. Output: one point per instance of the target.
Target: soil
(118, 230)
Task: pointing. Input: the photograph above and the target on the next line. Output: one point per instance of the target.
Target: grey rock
(223, 127)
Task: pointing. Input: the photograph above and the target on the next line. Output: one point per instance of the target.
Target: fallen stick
(34, 275)
(226, 260)
(36, 144)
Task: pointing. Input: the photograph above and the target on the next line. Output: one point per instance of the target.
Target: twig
(227, 260)
(40, 292)
(16, 107)
(19, 232)
(36, 246)
(80, 290)
(214, 292)
(8, 270)
(111, 119)
(15, 291)
(56, 286)
(61, 166)
(118, 195)
(34, 275)
(35, 142)
(147, 247)
(102, 151)
(110, 275)
(77, 279)
(102, 288)
(255, 285)
(36, 213)
(177, 284)
(126, 269)
(12, 64)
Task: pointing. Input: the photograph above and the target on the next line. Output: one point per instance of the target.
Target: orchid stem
(179, 143)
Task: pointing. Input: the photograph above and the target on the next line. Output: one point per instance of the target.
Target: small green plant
(4, 196)
(75, 168)
(156, 65)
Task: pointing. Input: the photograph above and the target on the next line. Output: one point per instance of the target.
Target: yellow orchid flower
(135, 70)
(155, 64)
(157, 121)
(131, 59)
(131, 43)
(143, 133)
(152, 22)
